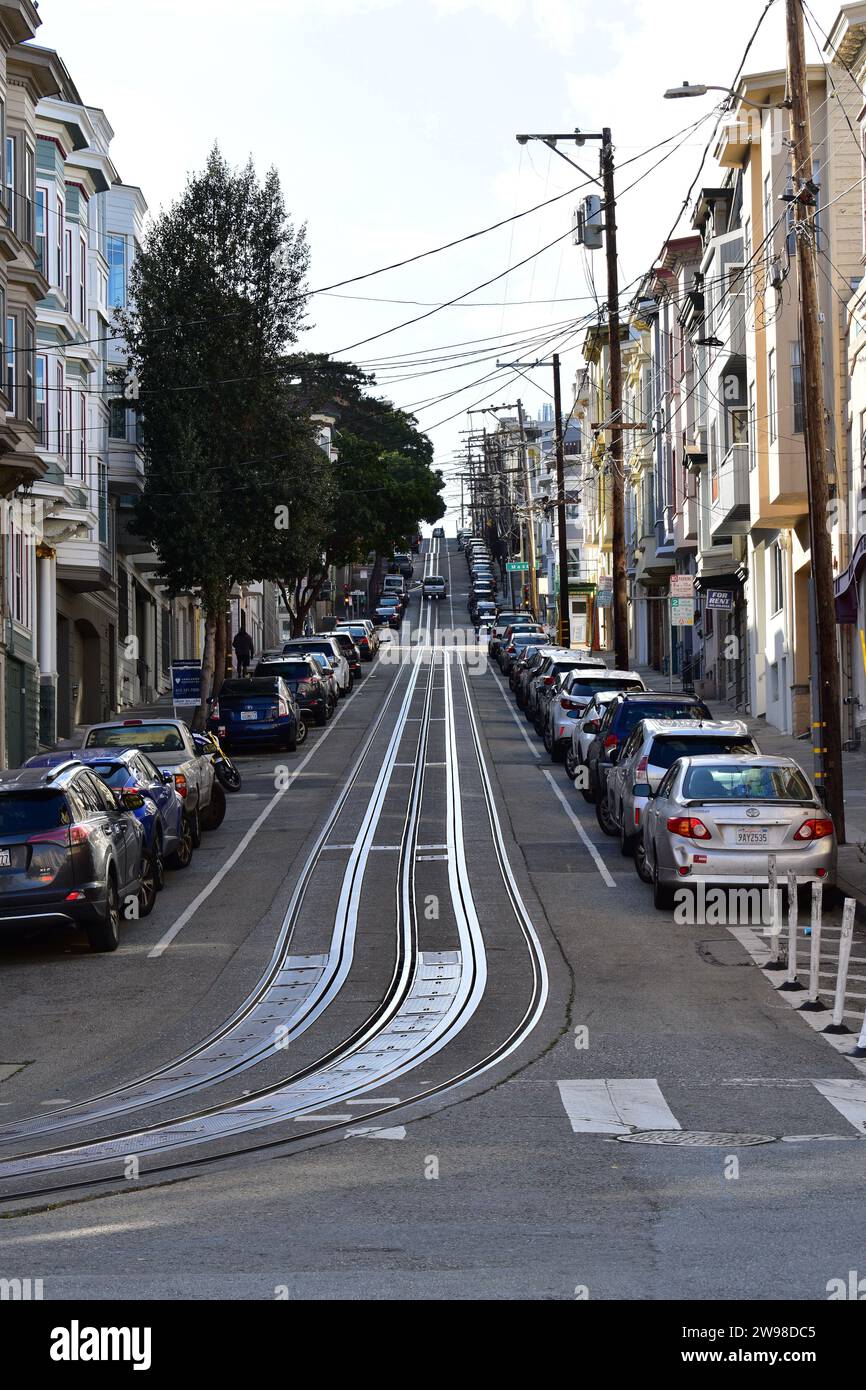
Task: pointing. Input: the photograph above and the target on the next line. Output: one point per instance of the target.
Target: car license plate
(5, 859)
(753, 837)
(249, 714)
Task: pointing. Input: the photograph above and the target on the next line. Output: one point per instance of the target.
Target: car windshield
(324, 648)
(591, 685)
(529, 639)
(632, 713)
(112, 774)
(289, 670)
(721, 782)
(156, 738)
(263, 684)
(26, 813)
(666, 749)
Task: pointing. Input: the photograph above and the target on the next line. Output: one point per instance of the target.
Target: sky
(392, 125)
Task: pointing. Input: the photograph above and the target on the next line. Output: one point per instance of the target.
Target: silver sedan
(717, 820)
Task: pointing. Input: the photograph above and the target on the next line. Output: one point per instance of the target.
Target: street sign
(517, 566)
(604, 598)
(682, 586)
(682, 612)
(721, 598)
(186, 681)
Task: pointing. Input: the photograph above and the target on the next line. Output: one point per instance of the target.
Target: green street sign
(517, 566)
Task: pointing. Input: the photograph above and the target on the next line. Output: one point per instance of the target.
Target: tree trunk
(220, 649)
(207, 663)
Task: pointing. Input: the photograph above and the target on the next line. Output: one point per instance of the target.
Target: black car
(306, 682)
(70, 854)
(349, 649)
(621, 716)
(402, 564)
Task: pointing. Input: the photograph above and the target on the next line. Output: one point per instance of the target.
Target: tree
(382, 485)
(216, 299)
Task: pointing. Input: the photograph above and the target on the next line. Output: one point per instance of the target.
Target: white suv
(332, 650)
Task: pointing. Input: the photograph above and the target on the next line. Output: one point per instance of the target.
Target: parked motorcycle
(228, 775)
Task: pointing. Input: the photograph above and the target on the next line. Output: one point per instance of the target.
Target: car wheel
(571, 763)
(548, 740)
(195, 829)
(626, 842)
(640, 863)
(147, 883)
(181, 858)
(214, 813)
(104, 935)
(662, 897)
(301, 733)
(604, 817)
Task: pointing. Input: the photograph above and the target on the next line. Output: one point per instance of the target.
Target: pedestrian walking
(243, 647)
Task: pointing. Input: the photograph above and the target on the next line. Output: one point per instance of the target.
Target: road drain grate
(694, 1138)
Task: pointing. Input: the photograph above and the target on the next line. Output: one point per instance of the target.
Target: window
(18, 570)
(778, 577)
(738, 426)
(82, 453)
(103, 503)
(58, 242)
(41, 414)
(82, 282)
(797, 388)
(29, 363)
(10, 181)
(771, 401)
(41, 215)
(115, 254)
(753, 443)
(67, 445)
(29, 180)
(67, 268)
(117, 420)
(58, 408)
(768, 219)
(10, 362)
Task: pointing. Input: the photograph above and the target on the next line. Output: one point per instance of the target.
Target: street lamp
(700, 89)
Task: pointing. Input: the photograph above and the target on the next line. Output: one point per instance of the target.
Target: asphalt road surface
(410, 1027)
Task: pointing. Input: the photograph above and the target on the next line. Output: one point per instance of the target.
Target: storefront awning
(845, 585)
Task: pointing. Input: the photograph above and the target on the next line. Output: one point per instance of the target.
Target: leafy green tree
(216, 301)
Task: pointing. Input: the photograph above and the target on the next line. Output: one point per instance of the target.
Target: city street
(411, 1027)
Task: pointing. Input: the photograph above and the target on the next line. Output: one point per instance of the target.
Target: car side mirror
(168, 778)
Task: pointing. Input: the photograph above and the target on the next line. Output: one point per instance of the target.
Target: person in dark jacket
(243, 647)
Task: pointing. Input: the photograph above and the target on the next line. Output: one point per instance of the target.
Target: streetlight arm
(700, 89)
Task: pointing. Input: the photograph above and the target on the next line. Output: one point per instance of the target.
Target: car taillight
(180, 784)
(365, 642)
(814, 830)
(550, 680)
(640, 773)
(65, 835)
(568, 703)
(689, 827)
(612, 741)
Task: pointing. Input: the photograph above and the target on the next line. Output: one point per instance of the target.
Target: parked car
(69, 854)
(139, 786)
(257, 709)
(575, 689)
(651, 748)
(388, 613)
(548, 680)
(402, 564)
(329, 647)
(518, 643)
(485, 614)
(363, 635)
(438, 533)
(587, 722)
(306, 680)
(434, 586)
(716, 820)
(533, 664)
(506, 618)
(169, 745)
(349, 649)
(620, 718)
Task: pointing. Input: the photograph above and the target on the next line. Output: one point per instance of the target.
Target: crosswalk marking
(848, 1097)
(615, 1107)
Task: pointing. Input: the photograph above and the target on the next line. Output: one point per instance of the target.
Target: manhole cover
(695, 1138)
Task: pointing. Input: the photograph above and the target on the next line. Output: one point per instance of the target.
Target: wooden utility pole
(564, 610)
(826, 722)
(530, 527)
(620, 584)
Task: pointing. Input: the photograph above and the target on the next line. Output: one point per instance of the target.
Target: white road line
(527, 740)
(395, 1132)
(848, 1097)
(615, 1107)
(165, 941)
(599, 862)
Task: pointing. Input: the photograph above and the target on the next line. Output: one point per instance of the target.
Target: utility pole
(620, 584)
(564, 609)
(530, 528)
(826, 721)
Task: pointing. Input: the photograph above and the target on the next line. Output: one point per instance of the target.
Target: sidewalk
(852, 859)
